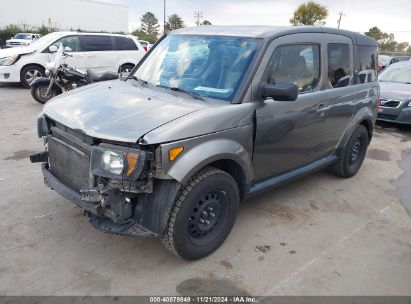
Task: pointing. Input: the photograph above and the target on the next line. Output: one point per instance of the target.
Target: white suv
(98, 52)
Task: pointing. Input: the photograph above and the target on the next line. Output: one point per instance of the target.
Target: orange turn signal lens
(132, 161)
(173, 153)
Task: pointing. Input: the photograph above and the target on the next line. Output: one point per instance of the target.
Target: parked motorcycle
(62, 78)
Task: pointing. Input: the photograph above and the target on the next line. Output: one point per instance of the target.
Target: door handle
(320, 107)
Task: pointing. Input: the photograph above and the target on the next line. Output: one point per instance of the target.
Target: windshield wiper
(192, 94)
(136, 78)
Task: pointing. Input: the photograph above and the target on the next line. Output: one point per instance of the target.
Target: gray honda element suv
(209, 116)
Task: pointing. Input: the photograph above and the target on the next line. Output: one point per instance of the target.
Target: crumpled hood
(392, 90)
(118, 110)
(20, 50)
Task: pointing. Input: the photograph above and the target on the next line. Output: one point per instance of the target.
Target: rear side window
(299, 64)
(339, 72)
(96, 43)
(366, 64)
(125, 44)
(73, 42)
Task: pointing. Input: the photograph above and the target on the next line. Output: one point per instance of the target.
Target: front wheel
(203, 215)
(40, 95)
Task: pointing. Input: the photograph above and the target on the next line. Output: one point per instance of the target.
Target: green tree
(8, 32)
(375, 33)
(149, 26)
(142, 35)
(174, 22)
(309, 13)
(206, 22)
(386, 41)
(402, 47)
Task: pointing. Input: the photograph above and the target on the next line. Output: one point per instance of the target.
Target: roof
(402, 62)
(270, 32)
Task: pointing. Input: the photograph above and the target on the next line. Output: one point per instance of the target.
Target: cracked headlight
(8, 60)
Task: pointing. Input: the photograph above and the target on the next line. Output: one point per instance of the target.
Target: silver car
(395, 83)
(209, 117)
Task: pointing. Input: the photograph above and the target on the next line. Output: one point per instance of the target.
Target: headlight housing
(8, 60)
(117, 162)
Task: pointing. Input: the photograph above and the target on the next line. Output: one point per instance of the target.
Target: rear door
(342, 95)
(290, 134)
(129, 50)
(100, 53)
(77, 55)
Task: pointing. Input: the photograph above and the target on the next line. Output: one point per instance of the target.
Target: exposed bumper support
(65, 191)
(131, 228)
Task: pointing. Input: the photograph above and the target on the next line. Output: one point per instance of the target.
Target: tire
(125, 70)
(203, 215)
(353, 154)
(39, 93)
(29, 73)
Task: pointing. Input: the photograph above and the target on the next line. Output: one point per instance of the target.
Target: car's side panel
(233, 144)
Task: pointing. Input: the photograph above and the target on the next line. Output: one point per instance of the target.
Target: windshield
(44, 40)
(23, 36)
(209, 66)
(399, 73)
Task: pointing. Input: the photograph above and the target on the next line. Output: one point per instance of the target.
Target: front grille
(389, 103)
(68, 164)
(388, 117)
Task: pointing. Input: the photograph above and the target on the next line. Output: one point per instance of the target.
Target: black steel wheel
(353, 154)
(207, 218)
(203, 215)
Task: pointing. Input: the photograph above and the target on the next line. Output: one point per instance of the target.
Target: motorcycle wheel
(40, 95)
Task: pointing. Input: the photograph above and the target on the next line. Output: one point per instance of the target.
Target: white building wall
(86, 15)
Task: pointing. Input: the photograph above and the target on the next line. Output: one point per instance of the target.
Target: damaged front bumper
(94, 210)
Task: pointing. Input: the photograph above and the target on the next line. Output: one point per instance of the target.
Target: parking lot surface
(320, 235)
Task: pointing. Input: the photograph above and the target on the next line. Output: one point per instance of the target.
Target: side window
(299, 64)
(96, 43)
(125, 44)
(339, 72)
(73, 42)
(366, 66)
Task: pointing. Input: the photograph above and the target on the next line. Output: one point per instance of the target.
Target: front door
(76, 54)
(290, 134)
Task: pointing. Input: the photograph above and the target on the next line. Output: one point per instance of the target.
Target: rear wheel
(29, 73)
(39, 93)
(353, 154)
(203, 215)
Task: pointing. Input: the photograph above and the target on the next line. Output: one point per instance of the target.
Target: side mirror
(52, 49)
(281, 91)
(67, 49)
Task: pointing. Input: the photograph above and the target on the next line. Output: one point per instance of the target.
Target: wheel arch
(27, 65)
(365, 117)
(236, 171)
(222, 153)
(367, 123)
(31, 64)
(124, 64)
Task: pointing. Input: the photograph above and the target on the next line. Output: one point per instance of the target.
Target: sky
(391, 16)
